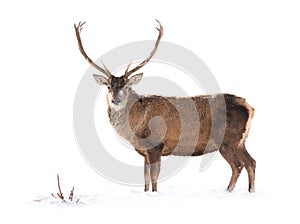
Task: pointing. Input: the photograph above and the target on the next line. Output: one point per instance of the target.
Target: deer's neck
(119, 117)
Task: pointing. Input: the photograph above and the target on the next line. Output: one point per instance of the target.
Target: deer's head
(118, 87)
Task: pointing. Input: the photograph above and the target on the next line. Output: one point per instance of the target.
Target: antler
(78, 29)
(160, 30)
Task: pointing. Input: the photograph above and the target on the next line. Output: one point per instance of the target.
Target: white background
(252, 48)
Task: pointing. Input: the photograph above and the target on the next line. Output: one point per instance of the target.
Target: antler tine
(127, 68)
(160, 30)
(106, 69)
(78, 29)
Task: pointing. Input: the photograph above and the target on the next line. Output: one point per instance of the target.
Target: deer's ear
(135, 79)
(101, 80)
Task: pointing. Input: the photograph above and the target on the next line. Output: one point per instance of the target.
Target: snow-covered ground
(190, 196)
(252, 49)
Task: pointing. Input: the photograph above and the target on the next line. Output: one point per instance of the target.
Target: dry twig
(53, 195)
(71, 194)
(60, 195)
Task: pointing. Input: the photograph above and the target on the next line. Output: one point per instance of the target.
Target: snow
(190, 196)
(171, 204)
(253, 51)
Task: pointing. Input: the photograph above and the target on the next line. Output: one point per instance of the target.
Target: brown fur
(236, 114)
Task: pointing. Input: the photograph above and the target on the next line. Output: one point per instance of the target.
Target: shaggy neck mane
(118, 115)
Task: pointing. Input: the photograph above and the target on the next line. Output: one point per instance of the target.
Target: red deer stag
(130, 114)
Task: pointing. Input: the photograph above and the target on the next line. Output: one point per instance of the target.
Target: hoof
(251, 190)
(230, 189)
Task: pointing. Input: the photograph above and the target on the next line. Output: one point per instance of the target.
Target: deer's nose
(115, 101)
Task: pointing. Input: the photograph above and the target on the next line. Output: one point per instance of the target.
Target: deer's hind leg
(249, 164)
(235, 164)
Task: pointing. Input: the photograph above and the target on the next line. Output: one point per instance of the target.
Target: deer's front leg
(154, 172)
(154, 158)
(147, 173)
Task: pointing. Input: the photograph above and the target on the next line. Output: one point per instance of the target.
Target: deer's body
(133, 124)
(190, 126)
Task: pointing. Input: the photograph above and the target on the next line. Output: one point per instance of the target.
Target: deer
(133, 115)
